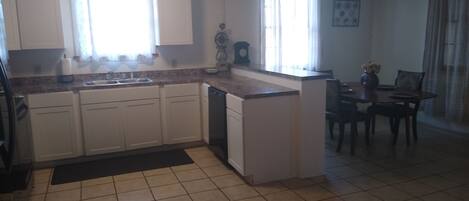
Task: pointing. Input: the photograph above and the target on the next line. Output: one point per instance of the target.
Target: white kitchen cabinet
(259, 136)
(11, 24)
(182, 119)
(51, 128)
(142, 124)
(234, 122)
(55, 126)
(103, 128)
(173, 19)
(45, 24)
(121, 119)
(205, 111)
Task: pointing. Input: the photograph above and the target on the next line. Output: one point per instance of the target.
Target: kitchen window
(291, 34)
(114, 30)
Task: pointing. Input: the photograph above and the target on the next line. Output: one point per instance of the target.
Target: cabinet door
(205, 120)
(235, 140)
(142, 124)
(103, 128)
(11, 24)
(205, 123)
(174, 22)
(182, 120)
(54, 133)
(40, 24)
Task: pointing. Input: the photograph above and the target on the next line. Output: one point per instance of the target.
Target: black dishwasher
(217, 123)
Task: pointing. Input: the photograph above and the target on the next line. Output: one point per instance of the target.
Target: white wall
(391, 32)
(243, 19)
(207, 14)
(345, 49)
(398, 40)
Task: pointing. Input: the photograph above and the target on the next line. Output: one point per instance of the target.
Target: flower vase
(369, 80)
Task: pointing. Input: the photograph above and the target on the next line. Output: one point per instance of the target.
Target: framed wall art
(346, 13)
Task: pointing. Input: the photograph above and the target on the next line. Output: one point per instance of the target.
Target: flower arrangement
(371, 67)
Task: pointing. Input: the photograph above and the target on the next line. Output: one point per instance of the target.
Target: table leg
(341, 136)
(407, 124)
(414, 127)
(397, 123)
(407, 129)
(354, 136)
(367, 131)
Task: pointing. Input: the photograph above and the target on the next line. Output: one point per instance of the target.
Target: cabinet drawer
(51, 100)
(178, 90)
(120, 94)
(234, 103)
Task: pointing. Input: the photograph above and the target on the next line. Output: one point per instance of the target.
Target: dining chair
(341, 112)
(406, 81)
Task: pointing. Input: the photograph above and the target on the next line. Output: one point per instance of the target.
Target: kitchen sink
(118, 82)
(138, 80)
(101, 82)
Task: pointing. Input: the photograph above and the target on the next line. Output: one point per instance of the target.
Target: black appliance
(16, 158)
(217, 123)
(15, 138)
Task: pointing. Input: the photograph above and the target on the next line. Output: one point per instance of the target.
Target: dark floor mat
(109, 167)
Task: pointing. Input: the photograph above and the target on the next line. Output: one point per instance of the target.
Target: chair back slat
(409, 81)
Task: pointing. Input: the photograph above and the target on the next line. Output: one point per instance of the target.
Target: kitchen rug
(115, 166)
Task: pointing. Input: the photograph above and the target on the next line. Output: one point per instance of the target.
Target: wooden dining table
(383, 94)
(354, 92)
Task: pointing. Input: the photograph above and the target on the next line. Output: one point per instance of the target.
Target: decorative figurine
(221, 40)
(241, 53)
(369, 79)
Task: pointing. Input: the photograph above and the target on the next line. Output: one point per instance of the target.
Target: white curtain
(446, 61)
(114, 29)
(291, 34)
(3, 38)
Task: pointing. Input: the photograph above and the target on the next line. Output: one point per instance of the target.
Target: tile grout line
(148, 185)
(115, 187)
(180, 182)
(51, 173)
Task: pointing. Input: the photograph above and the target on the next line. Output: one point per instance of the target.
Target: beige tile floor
(435, 169)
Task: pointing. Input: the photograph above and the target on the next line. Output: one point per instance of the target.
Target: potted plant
(369, 79)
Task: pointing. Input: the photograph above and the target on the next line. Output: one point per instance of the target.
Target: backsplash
(46, 80)
(28, 63)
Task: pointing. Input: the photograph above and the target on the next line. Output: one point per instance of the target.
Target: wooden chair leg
(397, 123)
(341, 136)
(331, 128)
(373, 124)
(354, 133)
(367, 131)
(407, 129)
(391, 123)
(414, 127)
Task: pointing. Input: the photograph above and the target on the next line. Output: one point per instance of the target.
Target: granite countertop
(242, 87)
(284, 72)
(247, 88)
